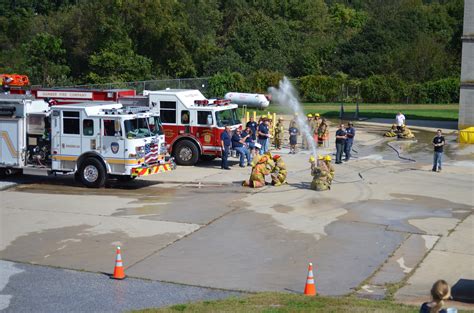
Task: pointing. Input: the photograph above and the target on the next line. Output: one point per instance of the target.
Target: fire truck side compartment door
(11, 144)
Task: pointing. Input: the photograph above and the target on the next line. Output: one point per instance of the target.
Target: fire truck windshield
(227, 117)
(143, 127)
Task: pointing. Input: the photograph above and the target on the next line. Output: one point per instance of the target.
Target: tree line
(386, 50)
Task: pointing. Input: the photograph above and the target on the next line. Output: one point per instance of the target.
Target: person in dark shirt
(438, 144)
(225, 146)
(341, 137)
(350, 132)
(293, 130)
(253, 127)
(238, 144)
(263, 136)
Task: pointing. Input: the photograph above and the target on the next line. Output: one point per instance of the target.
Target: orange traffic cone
(119, 273)
(310, 287)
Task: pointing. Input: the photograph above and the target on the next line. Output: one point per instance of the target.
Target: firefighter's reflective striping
(9, 143)
(151, 170)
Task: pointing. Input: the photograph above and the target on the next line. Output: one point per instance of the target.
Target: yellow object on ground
(466, 135)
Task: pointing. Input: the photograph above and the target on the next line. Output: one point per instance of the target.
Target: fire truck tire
(186, 153)
(92, 173)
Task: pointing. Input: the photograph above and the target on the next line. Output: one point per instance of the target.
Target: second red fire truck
(193, 124)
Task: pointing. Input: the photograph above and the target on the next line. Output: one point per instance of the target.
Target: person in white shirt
(400, 121)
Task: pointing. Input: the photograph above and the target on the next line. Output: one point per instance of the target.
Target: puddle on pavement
(396, 213)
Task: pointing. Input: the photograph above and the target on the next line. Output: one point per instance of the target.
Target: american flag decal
(151, 153)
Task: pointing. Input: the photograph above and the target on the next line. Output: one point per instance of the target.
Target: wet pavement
(197, 226)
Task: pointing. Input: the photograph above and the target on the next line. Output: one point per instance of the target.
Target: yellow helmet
(309, 115)
(327, 158)
(312, 159)
(264, 117)
(320, 157)
(269, 154)
(317, 115)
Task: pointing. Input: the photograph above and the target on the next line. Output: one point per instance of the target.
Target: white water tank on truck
(251, 100)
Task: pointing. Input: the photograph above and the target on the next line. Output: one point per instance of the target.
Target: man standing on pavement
(438, 143)
(263, 136)
(400, 121)
(238, 143)
(340, 142)
(225, 146)
(253, 127)
(350, 133)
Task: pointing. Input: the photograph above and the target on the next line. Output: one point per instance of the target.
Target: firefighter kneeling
(322, 177)
(405, 133)
(262, 165)
(279, 171)
(392, 132)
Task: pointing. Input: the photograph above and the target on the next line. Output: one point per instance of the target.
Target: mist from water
(286, 95)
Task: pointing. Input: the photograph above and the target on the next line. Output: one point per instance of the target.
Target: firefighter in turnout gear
(406, 133)
(279, 130)
(262, 165)
(327, 160)
(392, 132)
(305, 144)
(279, 171)
(320, 173)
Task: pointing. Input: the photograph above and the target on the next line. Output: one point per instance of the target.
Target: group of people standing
(253, 140)
(319, 131)
(344, 142)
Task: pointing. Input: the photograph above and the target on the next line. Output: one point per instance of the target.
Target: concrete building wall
(466, 99)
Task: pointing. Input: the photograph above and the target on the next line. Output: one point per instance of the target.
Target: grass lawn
(282, 302)
(446, 112)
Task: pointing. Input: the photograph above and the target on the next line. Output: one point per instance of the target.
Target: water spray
(287, 95)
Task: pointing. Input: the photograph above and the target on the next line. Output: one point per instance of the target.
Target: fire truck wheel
(92, 173)
(186, 153)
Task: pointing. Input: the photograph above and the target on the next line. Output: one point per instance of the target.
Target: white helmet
(258, 146)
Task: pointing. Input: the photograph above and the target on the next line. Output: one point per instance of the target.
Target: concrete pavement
(198, 226)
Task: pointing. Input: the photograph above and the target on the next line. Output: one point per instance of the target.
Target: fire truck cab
(192, 124)
(92, 140)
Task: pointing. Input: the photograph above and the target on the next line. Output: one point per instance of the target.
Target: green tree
(117, 63)
(45, 60)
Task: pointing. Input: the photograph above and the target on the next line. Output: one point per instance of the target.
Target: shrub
(221, 83)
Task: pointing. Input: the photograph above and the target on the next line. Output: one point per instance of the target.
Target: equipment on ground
(119, 272)
(91, 140)
(310, 286)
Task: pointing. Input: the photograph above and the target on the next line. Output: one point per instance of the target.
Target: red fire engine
(193, 124)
